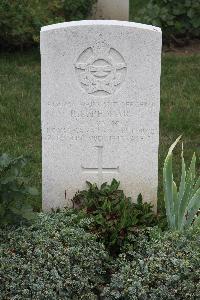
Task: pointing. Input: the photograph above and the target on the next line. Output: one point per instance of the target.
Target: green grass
(20, 109)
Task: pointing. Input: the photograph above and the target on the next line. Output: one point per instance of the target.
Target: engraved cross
(100, 170)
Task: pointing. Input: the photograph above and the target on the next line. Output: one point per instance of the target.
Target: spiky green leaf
(192, 209)
(168, 186)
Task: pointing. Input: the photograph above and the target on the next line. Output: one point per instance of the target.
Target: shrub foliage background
(21, 20)
(176, 18)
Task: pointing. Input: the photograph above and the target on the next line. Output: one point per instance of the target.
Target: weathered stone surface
(100, 108)
(112, 10)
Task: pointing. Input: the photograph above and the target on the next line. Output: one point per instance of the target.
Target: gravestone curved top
(64, 25)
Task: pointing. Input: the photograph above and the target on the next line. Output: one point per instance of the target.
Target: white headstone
(112, 10)
(100, 108)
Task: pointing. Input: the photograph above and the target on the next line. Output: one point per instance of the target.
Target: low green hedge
(158, 267)
(53, 259)
(21, 20)
(57, 259)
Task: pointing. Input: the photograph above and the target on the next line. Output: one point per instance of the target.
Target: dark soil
(191, 47)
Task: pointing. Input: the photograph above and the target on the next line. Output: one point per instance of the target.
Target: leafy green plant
(176, 18)
(113, 213)
(14, 190)
(181, 204)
